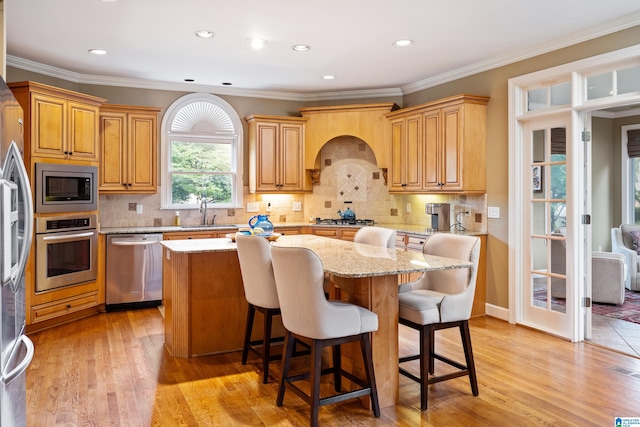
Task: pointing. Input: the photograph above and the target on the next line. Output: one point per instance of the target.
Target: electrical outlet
(297, 206)
(139, 209)
(269, 207)
(253, 207)
(408, 209)
(493, 212)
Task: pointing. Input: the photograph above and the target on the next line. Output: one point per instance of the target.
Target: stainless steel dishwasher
(134, 271)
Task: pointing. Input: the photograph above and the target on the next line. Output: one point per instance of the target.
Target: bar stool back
(310, 318)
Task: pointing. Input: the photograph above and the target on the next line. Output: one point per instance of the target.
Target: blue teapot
(347, 215)
(261, 223)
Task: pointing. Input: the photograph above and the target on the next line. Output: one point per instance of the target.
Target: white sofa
(622, 243)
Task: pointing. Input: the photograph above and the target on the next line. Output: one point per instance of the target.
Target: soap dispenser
(176, 219)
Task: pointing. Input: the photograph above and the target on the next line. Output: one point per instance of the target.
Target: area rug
(629, 311)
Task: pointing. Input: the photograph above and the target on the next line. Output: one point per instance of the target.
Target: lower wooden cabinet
(342, 233)
(55, 309)
(185, 235)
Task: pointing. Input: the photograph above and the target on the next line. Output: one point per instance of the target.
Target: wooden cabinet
(440, 146)
(129, 146)
(406, 154)
(59, 124)
(288, 231)
(342, 233)
(185, 235)
(276, 155)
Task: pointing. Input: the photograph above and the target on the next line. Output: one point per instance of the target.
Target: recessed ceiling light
(98, 52)
(403, 42)
(205, 34)
(328, 77)
(257, 43)
(301, 47)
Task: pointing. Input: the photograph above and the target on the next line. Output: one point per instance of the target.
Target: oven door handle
(133, 242)
(69, 236)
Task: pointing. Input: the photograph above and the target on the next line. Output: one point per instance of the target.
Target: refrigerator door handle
(7, 377)
(14, 160)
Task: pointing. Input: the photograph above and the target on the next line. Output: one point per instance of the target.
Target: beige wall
(494, 83)
(491, 83)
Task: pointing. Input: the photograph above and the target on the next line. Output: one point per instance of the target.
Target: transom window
(201, 153)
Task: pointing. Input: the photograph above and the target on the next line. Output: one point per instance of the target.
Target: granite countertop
(200, 245)
(339, 257)
(402, 228)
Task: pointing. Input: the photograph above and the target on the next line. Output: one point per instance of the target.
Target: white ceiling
(151, 43)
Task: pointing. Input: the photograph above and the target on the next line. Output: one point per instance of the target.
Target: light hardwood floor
(112, 370)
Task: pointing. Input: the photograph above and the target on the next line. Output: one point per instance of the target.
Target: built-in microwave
(65, 188)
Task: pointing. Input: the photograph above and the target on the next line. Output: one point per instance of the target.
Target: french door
(548, 267)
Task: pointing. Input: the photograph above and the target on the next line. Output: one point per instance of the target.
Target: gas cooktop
(331, 221)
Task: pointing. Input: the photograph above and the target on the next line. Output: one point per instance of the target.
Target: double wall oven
(66, 225)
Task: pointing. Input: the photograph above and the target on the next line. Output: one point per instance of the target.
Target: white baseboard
(497, 311)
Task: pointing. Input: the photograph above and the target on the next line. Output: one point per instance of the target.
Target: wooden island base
(205, 306)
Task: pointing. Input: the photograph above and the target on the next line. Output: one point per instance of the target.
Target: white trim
(579, 236)
(172, 110)
(625, 188)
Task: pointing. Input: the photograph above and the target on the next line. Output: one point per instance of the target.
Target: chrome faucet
(203, 209)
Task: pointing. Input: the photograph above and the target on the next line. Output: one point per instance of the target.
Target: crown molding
(47, 70)
(609, 27)
(511, 57)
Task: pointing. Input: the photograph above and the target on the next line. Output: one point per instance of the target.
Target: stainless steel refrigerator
(16, 228)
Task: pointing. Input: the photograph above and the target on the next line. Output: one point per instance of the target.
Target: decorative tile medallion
(352, 182)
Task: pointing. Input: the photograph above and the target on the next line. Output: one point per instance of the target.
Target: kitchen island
(205, 307)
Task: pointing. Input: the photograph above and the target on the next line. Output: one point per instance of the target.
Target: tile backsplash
(348, 174)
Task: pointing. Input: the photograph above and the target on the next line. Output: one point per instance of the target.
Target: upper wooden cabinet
(439, 146)
(276, 155)
(129, 146)
(59, 123)
(406, 153)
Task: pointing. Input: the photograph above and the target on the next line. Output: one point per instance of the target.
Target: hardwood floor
(112, 370)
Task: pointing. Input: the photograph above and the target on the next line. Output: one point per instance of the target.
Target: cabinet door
(406, 154)
(113, 131)
(290, 157)
(431, 136)
(396, 180)
(348, 233)
(267, 156)
(451, 147)
(48, 126)
(83, 132)
(141, 152)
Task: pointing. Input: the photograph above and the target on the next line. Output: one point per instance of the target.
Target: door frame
(580, 239)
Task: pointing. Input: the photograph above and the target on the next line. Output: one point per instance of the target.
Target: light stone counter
(200, 245)
(340, 258)
(354, 260)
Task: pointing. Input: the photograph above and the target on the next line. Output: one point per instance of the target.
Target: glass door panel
(545, 288)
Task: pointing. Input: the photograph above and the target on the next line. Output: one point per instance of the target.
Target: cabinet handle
(404, 185)
(68, 305)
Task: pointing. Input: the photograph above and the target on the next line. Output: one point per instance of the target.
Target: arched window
(201, 153)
